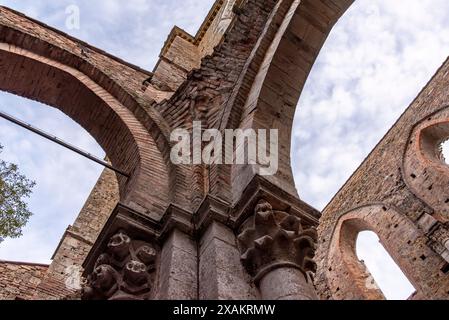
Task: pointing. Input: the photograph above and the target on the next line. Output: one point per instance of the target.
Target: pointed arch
(348, 278)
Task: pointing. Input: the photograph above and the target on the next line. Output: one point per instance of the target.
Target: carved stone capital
(274, 239)
(124, 272)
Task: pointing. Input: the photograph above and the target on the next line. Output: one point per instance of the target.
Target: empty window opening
(445, 151)
(388, 276)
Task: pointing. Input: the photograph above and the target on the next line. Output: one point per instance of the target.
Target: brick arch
(343, 276)
(121, 82)
(282, 72)
(125, 140)
(425, 171)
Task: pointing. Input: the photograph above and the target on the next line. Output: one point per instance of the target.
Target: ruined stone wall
(400, 193)
(183, 52)
(217, 28)
(19, 280)
(208, 91)
(174, 64)
(25, 37)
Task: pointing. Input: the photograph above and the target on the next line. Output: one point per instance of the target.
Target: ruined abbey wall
(19, 280)
(400, 193)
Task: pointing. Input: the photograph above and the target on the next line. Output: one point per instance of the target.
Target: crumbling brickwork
(19, 280)
(182, 52)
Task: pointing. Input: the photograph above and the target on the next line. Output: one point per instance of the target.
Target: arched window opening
(63, 179)
(385, 272)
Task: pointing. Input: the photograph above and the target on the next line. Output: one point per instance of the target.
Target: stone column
(178, 268)
(221, 274)
(286, 284)
(278, 253)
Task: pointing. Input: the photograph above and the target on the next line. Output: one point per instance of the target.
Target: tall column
(286, 284)
(278, 252)
(221, 275)
(178, 278)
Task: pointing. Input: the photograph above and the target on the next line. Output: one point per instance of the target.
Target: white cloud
(64, 179)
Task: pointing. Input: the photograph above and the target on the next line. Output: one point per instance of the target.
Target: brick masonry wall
(183, 52)
(172, 68)
(203, 96)
(19, 280)
(217, 28)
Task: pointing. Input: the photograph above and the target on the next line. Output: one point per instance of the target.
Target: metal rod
(60, 142)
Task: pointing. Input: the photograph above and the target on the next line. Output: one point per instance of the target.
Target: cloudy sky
(376, 60)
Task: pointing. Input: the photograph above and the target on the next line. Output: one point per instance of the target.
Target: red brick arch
(425, 172)
(76, 79)
(283, 70)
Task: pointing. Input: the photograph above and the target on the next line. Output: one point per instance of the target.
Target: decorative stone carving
(274, 239)
(125, 272)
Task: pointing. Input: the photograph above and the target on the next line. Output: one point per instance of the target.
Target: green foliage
(14, 188)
